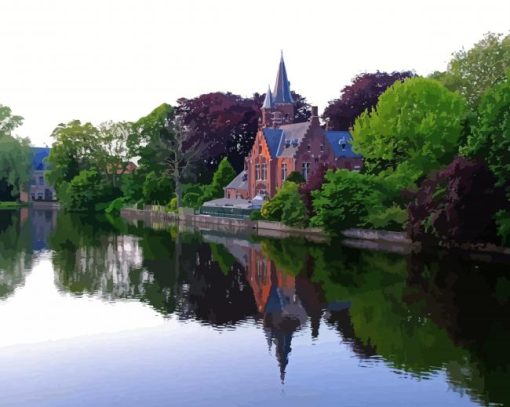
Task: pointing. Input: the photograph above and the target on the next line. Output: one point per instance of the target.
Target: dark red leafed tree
(227, 123)
(363, 93)
(314, 183)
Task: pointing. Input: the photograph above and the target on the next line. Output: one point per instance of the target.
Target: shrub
(286, 206)
(314, 183)
(296, 177)
(115, 206)
(172, 205)
(503, 224)
(256, 215)
(191, 200)
(86, 192)
(221, 178)
(459, 203)
(157, 189)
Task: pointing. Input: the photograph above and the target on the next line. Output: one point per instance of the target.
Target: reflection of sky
(60, 350)
(38, 312)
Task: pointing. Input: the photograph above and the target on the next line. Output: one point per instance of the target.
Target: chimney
(315, 115)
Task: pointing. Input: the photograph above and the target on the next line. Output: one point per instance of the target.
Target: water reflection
(418, 314)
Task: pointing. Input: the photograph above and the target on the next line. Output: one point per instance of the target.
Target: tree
(115, 155)
(145, 141)
(183, 149)
(296, 177)
(86, 192)
(472, 72)
(490, 137)
(447, 205)
(221, 178)
(8, 122)
(226, 122)
(362, 94)
(414, 128)
(313, 183)
(15, 159)
(157, 189)
(76, 147)
(286, 206)
(345, 200)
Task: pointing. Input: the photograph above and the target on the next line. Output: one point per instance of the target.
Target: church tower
(278, 106)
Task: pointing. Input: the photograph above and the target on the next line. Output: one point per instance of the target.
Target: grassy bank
(11, 204)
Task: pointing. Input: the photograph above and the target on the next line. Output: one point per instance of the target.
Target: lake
(96, 311)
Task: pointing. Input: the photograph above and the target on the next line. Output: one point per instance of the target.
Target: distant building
(39, 189)
(282, 146)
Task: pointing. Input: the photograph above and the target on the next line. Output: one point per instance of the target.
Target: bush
(221, 178)
(86, 192)
(191, 200)
(286, 206)
(314, 183)
(256, 215)
(172, 205)
(296, 177)
(459, 204)
(115, 206)
(157, 189)
(345, 200)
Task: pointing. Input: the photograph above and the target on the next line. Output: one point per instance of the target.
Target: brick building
(282, 146)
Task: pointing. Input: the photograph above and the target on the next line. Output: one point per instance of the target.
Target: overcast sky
(97, 60)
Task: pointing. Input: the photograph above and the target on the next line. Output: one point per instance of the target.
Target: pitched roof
(273, 139)
(239, 182)
(268, 101)
(39, 155)
(293, 135)
(341, 143)
(281, 92)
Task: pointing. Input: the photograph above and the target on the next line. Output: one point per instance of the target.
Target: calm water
(98, 312)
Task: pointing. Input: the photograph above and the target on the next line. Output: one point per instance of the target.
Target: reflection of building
(42, 222)
(39, 189)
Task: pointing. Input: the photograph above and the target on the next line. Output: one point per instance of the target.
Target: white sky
(97, 60)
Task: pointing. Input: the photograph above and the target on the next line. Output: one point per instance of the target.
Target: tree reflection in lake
(419, 314)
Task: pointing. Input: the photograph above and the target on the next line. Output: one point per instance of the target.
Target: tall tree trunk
(177, 180)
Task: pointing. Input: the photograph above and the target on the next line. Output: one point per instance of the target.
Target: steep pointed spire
(268, 101)
(281, 92)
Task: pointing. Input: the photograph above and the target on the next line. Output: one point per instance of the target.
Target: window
(322, 147)
(260, 148)
(263, 171)
(306, 170)
(284, 171)
(41, 180)
(257, 171)
(309, 147)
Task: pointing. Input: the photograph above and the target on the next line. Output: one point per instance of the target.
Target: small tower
(278, 107)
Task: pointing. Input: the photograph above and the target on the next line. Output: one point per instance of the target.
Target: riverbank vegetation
(435, 150)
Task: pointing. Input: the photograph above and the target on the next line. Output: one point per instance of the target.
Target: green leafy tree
(87, 192)
(221, 178)
(415, 128)
(490, 137)
(345, 200)
(76, 147)
(472, 72)
(286, 206)
(157, 189)
(14, 152)
(296, 177)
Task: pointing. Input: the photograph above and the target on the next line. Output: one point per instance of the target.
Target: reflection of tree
(213, 296)
(15, 251)
(464, 298)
